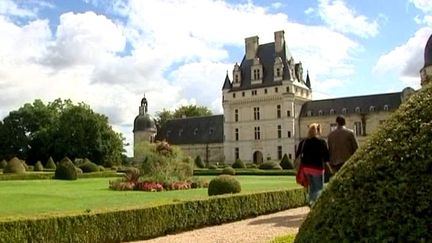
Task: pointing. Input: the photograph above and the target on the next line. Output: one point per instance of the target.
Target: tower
(144, 130)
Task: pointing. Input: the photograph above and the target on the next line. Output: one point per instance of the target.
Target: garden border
(145, 223)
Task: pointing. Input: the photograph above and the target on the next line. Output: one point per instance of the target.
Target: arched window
(357, 109)
(386, 107)
(372, 108)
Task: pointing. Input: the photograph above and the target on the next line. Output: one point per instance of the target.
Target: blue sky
(109, 53)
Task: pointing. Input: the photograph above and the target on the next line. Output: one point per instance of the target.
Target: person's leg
(316, 183)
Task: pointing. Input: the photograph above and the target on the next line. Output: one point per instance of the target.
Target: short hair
(314, 130)
(340, 120)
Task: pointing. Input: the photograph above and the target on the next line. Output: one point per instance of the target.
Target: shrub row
(50, 175)
(145, 223)
(245, 172)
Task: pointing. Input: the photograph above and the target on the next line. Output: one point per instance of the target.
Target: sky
(109, 53)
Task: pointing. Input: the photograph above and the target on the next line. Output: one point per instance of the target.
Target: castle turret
(144, 130)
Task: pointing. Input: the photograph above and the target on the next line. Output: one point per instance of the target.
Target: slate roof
(227, 83)
(428, 53)
(266, 53)
(193, 130)
(378, 101)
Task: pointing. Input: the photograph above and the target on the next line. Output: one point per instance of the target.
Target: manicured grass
(34, 198)
(284, 239)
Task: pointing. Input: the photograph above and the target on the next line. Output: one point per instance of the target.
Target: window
(236, 78)
(265, 91)
(289, 134)
(243, 93)
(254, 92)
(357, 109)
(180, 132)
(333, 127)
(358, 128)
(236, 134)
(372, 108)
(237, 153)
(195, 131)
(236, 115)
(278, 111)
(276, 89)
(287, 89)
(279, 152)
(278, 72)
(288, 113)
(332, 112)
(320, 112)
(386, 107)
(256, 113)
(309, 113)
(233, 95)
(256, 74)
(211, 131)
(257, 133)
(279, 131)
(344, 111)
(290, 156)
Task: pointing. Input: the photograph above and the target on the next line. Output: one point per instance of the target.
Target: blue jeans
(316, 184)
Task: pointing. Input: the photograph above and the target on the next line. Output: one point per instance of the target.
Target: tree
(36, 131)
(191, 111)
(183, 111)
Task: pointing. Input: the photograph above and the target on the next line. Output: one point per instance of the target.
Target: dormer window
(357, 109)
(332, 112)
(278, 69)
(320, 112)
(180, 132)
(236, 76)
(195, 131)
(278, 72)
(256, 74)
(344, 111)
(372, 108)
(386, 107)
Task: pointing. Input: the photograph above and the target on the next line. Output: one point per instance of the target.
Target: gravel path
(261, 229)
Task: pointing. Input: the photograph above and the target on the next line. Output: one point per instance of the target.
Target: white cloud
(423, 5)
(10, 8)
(84, 39)
(406, 59)
(309, 11)
(344, 19)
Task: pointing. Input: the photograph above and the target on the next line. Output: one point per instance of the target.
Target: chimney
(251, 47)
(279, 40)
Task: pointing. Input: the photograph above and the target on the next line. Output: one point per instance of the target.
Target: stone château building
(144, 129)
(268, 105)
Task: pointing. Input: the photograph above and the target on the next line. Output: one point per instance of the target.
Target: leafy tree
(37, 131)
(183, 111)
(191, 111)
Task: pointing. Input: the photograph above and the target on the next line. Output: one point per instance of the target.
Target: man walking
(342, 144)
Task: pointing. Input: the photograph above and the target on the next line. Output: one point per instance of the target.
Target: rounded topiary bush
(87, 166)
(286, 163)
(383, 193)
(50, 164)
(38, 166)
(270, 165)
(3, 164)
(228, 171)
(14, 165)
(238, 164)
(66, 170)
(199, 163)
(223, 184)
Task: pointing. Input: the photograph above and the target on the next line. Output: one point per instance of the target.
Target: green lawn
(33, 198)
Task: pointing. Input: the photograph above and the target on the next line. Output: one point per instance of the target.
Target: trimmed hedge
(145, 223)
(246, 172)
(50, 174)
(223, 184)
(270, 165)
(14, 165)
(384, 192)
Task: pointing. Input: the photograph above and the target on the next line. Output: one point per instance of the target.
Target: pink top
(313, 170)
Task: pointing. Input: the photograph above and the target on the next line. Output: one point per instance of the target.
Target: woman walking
(314, 155)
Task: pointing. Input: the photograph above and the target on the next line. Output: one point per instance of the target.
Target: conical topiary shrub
(50, 164)
(384, 192)
(14, 165)
(38, 166)
(199, 163)
(3, 164)
(286, 163)
(66, 170)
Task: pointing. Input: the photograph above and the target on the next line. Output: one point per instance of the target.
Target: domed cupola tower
(144, 130)
(426, 71)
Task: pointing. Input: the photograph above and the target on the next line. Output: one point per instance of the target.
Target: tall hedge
(384, 192)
